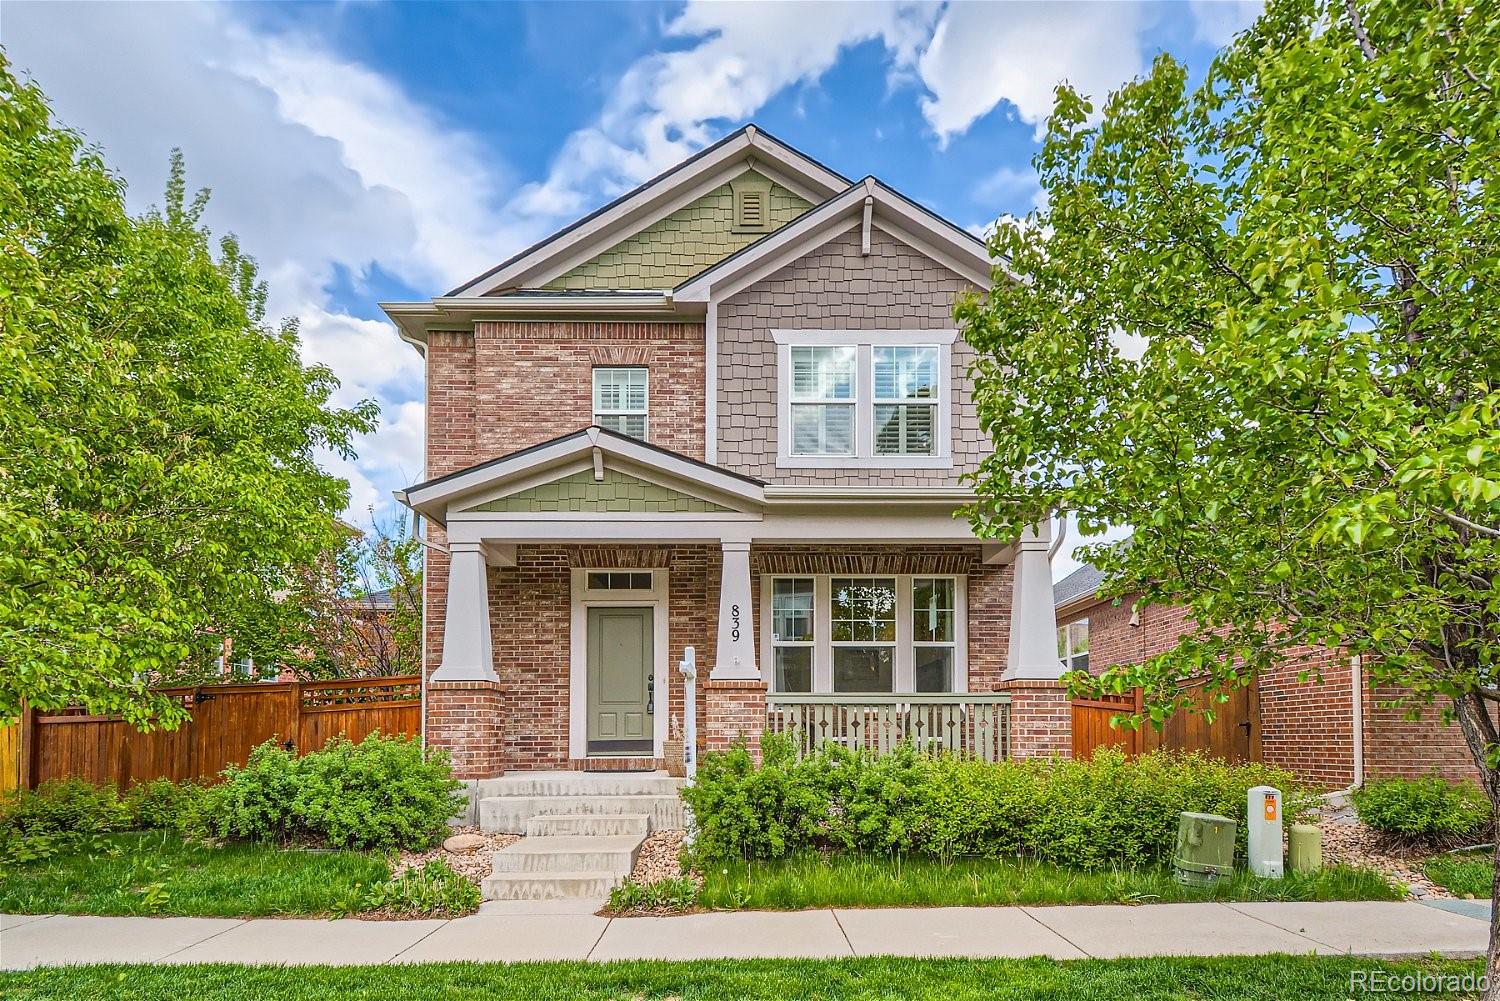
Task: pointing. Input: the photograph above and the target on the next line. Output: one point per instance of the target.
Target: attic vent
(752, 204)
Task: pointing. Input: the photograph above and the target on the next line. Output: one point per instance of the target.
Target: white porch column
(466, 629)
(1033, 620)
(735, 658)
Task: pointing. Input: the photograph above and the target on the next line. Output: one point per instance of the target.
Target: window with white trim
(864, 633)
(823, 400)
(862, 398)
(620, 396)
(1073, 645)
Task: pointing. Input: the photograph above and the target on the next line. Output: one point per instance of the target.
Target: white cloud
(1215, 22)
(1010, 185)
(982, 54)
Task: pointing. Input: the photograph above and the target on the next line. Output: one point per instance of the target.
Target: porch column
(466, 629)
(1033, 620)
(735, 656)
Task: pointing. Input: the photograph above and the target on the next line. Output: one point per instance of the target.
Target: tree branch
(1365, 45)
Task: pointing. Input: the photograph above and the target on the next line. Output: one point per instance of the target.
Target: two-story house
(728, 411)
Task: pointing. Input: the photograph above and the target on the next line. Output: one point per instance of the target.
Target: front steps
(582, 830)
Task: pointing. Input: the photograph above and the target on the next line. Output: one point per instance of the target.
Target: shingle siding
(615, 492)
(835, 287)
(673, 249)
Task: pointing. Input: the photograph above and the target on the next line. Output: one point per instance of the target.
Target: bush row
(384, 792)
(1424, 809)
(1090, 814)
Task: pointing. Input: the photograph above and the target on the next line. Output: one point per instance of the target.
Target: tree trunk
(1492, 962)
(1479, 733)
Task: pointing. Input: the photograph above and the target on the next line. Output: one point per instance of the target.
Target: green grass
(1471, 872)
(159, 873)
(865, 881)
(1260, 978)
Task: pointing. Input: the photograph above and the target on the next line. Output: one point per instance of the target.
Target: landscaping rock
(462, 844)
(474, 863)
(1347, 841)
(660, 857)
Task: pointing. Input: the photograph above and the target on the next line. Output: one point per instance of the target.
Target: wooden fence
(1234, 734)
(228, 721)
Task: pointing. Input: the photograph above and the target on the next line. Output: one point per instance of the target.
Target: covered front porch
(579, 574)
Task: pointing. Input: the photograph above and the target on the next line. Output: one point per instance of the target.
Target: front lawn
(159, 873)
(1468, 873)
(869, 881)
(1258, 978)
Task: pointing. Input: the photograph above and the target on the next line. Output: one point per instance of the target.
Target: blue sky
(377, 151)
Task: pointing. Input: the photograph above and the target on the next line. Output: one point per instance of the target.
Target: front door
(621, 696)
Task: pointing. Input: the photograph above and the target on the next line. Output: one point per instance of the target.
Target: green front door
(621, 703)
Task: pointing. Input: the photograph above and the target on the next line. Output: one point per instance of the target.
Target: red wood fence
(228, 721)
(1234, 735)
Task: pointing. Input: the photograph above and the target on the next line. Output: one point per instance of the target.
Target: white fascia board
(476, 307)
(776, 493)
(691, 472)
(878, 338)
(820, 527)
(492, 473)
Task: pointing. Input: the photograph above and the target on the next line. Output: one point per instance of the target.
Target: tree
(1306, 244)
(158, 481)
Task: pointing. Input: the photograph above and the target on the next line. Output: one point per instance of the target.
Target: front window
(620, 400)
(823, 400)
(905, 400)
(1073, 645)
(873, 634)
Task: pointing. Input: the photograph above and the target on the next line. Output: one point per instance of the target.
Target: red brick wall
(1041, 720)
(735, 710)
(465, 717)
(1306, 726)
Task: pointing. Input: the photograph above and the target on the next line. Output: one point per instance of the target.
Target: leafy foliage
(1423, 808)
(159, 485)
(1254, 326)
(1108, 811)
(432, 891)
(383, 792)
(662, 896)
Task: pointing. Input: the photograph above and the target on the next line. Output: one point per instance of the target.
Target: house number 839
(734, 619)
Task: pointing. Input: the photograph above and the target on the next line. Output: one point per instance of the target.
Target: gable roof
(681, 184)
(1081, 583)
(556, 458)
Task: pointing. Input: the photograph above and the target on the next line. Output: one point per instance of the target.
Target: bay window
(852, 634)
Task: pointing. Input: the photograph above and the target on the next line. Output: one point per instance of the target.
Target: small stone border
(471, 853)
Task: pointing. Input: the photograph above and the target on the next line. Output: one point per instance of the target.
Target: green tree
(1306, 246)
(158, 481)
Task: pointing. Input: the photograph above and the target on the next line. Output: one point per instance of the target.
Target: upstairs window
(864, 398)
(620, 400)
(1073, 645)
(823, 400)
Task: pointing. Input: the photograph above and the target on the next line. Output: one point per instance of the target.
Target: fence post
(26, 753)
(296, 735)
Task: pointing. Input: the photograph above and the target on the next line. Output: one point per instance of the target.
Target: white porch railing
(974, 724)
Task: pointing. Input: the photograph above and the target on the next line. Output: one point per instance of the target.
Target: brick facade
(1305, 725)
(1041, 719)
(465, 718)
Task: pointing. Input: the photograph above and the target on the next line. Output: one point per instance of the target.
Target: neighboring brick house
(1309, 727)
(728, 411)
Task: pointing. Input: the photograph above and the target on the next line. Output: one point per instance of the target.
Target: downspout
(1062, 533)
(1357, 700)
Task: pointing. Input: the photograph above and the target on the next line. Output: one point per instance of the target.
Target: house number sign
(734, 620)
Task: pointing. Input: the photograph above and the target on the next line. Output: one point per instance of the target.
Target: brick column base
(1041, 719)
(464, 717)
(732, 710)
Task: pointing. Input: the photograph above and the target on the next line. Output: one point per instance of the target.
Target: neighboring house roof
(379, 601)
(1081, 583)
(593, 470)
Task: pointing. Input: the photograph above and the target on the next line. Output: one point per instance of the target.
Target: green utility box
(1306, 844)
(1205, 849)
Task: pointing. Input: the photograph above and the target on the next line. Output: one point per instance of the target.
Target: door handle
(650, 694)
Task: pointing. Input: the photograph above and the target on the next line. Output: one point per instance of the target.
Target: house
(728, 411)
(1332, 734)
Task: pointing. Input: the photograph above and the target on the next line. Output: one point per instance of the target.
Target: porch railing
(973, 724)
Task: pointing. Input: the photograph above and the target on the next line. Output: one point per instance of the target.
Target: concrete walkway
(516, 931)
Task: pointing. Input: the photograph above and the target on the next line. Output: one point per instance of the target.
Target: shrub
(434, 890)
(187, 808)
(383, 792)
(1090, 814)
(38, 823)
(1427, 808)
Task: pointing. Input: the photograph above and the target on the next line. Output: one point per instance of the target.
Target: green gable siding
(673, 249)
(617, 492)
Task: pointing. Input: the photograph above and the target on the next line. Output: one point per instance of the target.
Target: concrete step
(580, 784)
(591, 825)
(548, 885)
(611, 854)
(510, 814)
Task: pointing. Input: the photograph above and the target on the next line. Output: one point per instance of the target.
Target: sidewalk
(512, 932)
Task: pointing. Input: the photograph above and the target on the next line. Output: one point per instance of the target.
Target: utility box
(1263, 820)
(1306, 848)
(1205, 849)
